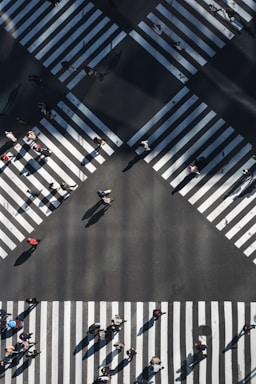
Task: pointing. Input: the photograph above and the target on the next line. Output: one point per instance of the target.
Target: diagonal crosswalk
(70, 354)
(186, 129)
(74, 31)
(70, 136)
(190, 34)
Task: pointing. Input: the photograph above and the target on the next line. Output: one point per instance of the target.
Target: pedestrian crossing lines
(186, 129)
(70, 136)
(70, 354)
(190, 34)
(72, 31)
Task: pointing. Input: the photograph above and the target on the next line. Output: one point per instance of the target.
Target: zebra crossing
(72, 31)
(69, 354)
(190, 33)
(186, 129)
(70, 136)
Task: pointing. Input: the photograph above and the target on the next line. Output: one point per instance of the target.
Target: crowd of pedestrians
(106, 335)
(25, 347)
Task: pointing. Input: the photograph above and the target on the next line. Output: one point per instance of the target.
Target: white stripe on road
(176, 338)
(215, 342)
(66, 338)
(55, 341)
(228, 339)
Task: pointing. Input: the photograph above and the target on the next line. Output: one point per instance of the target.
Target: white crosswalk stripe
(186, 129)
(70, 354)
(72, 31)
(74, 159)
(190, 34)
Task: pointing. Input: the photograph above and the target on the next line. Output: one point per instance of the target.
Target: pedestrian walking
(145, 145)
(4, 314)
(6, 158)
(99, 143)
(157, 28)
(54, 186)
(67, 187)
(24, 336)
(94, 328)
(32, 300)
(45, 109)
(231, 14)
(117, 321)
(10, 136)
(214, 9)
(68, 65)
(33, 242)
(33, 353)
(93, 72)
(17, 324)
(27, 344)
(194, 169)
(155, 364)
(157, 313)
(34, 192)
(43, 151)
(247, 173)
(105, 370)
(9, 351)
(36, 79)
(31, 135)
(247, 328)
(118, 345)
(200, 347)
(131, 352)
(101, 193)
(22, 122)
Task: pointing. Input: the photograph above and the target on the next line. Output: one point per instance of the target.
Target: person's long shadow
(11, 99)
(25, 205)
(95, 348)
(5, 334)
(233, 343)
(5, 147)
(100, 343)
(91, 210)
(31, 167)
(21, 316)
(16, 359)
(83, 343)
(107, 361)
(22, 368)
(135, 160)
(120, 366)
(184, 182)
(95, 218)
(189, 364)
(146, 326)
(146, 375)
(24, 257)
